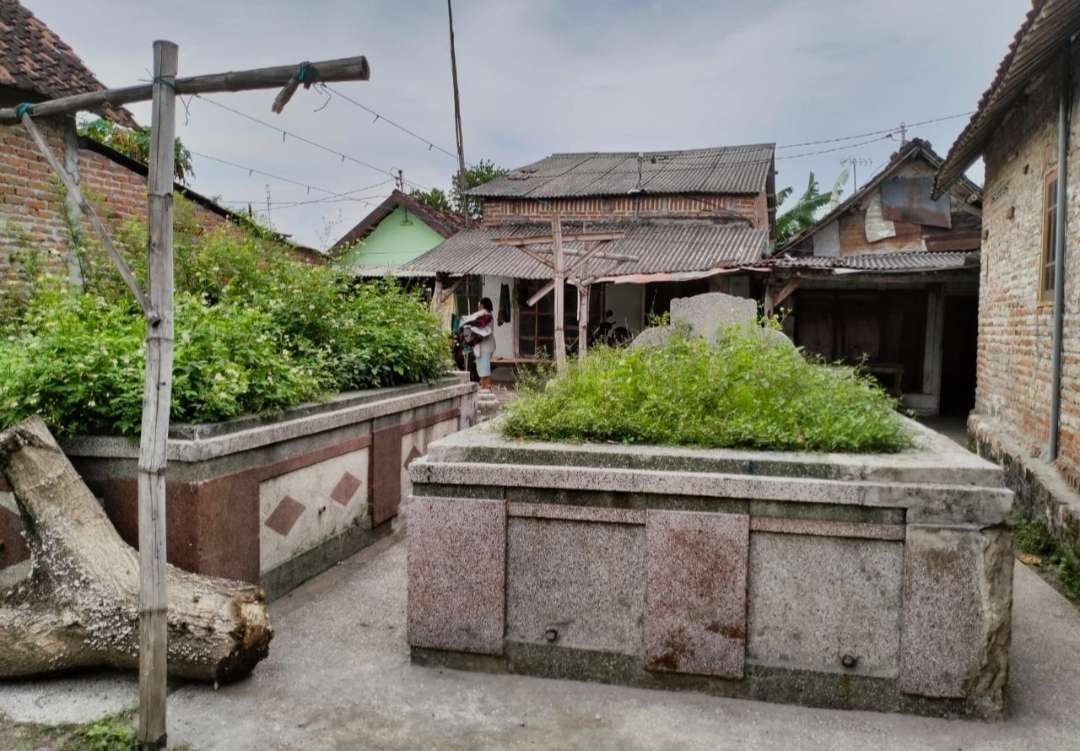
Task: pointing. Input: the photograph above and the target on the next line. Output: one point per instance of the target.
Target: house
(889, 278)
(1027, 414)
(684, 222)
(35, 65)
(397, 231)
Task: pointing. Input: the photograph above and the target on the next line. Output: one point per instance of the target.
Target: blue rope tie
(165, 81)
(23, 109)
(302, 72)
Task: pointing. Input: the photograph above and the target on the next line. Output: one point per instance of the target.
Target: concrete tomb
(852, 581)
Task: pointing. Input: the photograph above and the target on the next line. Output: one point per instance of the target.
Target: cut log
(79, 607)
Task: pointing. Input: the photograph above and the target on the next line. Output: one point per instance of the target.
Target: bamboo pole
(88, 210)
(344, 69)
(157, 398)
(560, 295)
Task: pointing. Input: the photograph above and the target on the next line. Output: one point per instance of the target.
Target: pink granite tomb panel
(457, 574)
(695, 592)
(285, 515)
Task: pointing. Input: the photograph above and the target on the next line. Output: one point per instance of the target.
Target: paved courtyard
(339, 677)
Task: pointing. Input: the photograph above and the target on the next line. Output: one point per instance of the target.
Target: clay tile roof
(35, 60)
(1046, 28)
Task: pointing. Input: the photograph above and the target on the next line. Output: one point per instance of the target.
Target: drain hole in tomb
(849, 661)
(552, 635)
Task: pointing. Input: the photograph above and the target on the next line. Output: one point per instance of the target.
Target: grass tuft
(747, 391)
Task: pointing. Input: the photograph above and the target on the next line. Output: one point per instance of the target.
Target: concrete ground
(339, 677)
(951, 427)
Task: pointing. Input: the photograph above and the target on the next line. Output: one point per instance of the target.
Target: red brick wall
(753, 207)
(1014, 323)
(31, 205)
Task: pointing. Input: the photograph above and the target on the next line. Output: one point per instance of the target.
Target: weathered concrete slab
(706, 313)
(933, 459)
(457, 570)
(695, 592)
(815, 600)
(575, 585)
(957, 605)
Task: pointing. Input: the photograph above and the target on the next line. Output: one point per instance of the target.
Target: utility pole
(457, 120)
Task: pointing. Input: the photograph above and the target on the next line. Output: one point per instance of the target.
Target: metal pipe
(1060, 219)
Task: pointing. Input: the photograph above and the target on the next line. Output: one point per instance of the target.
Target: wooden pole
(462, 186)
(560, 295)
(583, 319)
(327, 71)
(88, 210)
(157, 398)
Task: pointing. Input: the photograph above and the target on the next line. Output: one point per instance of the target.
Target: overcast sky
(539, 77)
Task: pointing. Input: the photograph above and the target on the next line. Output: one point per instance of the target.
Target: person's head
(485, 303)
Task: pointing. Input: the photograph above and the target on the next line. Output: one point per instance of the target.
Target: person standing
(479, 333)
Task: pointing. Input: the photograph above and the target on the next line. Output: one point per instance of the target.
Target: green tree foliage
(435, 198)
(135, 144)
(256, 332)
(804, 213)
(457, 202)
(747, 391)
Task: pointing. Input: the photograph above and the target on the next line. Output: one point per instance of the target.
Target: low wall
(866, 582)
(1041, 491)
(273, 501)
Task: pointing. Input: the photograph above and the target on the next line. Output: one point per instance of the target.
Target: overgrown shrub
(256, 331)
(746, 391)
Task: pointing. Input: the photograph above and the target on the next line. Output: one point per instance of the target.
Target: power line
(303, 139)
(430, 144)
(279, 178)
(876, 132)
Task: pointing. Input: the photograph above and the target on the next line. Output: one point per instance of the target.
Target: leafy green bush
(746, 391)
(256, 332)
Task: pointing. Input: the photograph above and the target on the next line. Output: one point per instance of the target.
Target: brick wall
(31, 204)
(1014, 324)
(753, 207)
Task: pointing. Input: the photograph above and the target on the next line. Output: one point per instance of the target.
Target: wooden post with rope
(560, 294)
(246, 607)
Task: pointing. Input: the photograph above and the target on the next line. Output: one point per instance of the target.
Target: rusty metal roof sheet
(726, 169)
(35, 60)
(1047, 26)
(659, 247)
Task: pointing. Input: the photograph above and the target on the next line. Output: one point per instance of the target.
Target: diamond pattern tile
(284, 516)
(344, 491)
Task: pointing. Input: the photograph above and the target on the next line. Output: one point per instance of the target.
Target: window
(1046, 270)
(468, 293)
(536, 324)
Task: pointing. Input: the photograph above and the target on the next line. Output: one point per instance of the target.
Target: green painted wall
(399, 238)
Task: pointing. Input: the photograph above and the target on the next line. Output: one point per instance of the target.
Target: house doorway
(959, 354)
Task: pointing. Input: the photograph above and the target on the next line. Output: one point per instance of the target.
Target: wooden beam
(540, 294)
(548, 239)
(157, 399)
(773, 299)
(560, 295)
(99, 226)
(343, 69)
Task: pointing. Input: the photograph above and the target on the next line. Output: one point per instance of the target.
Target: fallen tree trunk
(80, 605)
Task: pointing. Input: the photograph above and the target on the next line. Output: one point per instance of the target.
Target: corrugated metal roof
(725, 169)
(893, 261)
(1048, 25)
(658, 246)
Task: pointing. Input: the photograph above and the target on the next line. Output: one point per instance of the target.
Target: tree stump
(79, 607)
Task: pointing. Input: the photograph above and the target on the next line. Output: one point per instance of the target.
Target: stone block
(695, 592)
(581, 580)
(708, 312)
(957, 608)
(814, 600)
(457, 574)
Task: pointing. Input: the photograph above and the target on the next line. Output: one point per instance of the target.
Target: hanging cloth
(504, 304)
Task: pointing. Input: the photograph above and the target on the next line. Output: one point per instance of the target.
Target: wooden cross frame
(595, 242)
(157, 306)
